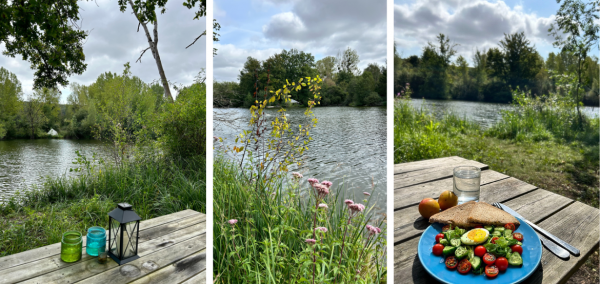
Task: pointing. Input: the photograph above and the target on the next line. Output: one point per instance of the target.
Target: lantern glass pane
(130, 239)
(115, 231)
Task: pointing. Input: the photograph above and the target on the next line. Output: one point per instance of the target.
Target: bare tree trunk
(577, 91)
(153, 46)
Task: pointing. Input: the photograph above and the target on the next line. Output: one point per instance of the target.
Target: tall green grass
(39, 216)
(273, 224)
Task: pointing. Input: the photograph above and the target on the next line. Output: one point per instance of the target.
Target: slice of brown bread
(484, 213)
(456, 215)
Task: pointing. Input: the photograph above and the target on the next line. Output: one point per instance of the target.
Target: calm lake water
(486, 114)
(24, 163)
(349, 146)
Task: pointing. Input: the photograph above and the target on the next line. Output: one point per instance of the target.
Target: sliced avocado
(461, 252)
(449, 250)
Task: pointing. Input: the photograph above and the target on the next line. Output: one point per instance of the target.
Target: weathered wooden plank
(412, 195)
(428, 175)
(52, 268)
(47, 251)
(152, 262)
(180, 271)
(577, 224)
(424, 164)
(197, 279)
(407, 267)
(408, 222)
(89, 267)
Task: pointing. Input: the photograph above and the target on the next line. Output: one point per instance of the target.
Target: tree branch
(204, 33)
(140, 58)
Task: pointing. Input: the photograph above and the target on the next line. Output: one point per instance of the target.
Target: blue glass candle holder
(96, 241)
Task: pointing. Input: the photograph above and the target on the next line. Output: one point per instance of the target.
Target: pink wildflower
(322, 229)
(311, 241)
(323, 205)
(348, 202)
(366, 193)
(322, 190)
(215, 138)
(327, 183)
(297, 175)
(232, 221)
(313, 181)
(357, 207)
(373, 230)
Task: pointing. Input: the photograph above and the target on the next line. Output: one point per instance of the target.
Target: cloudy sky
(261, 28)
(113, 41)
(471, 24)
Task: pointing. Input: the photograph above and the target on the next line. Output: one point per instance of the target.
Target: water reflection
(349, 146)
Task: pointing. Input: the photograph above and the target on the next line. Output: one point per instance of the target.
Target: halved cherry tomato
(502, 263)
(480, 251)
(451, 262)
(446, 228)
(489, 258)
(510, 226)
(518, 237)
(438, 249)
(478, 226)
(517, 248)
(438, 237)
(494, 240)
(464, 266)
(491, 271)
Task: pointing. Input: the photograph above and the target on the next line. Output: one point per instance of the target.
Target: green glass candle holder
(71, 246)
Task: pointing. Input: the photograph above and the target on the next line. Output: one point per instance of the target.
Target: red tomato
(451, 262)
(517, 248)
(464, 266)
(494, 240)
(489, 258)
(446, 228)
(518, 237)
(438, 237)
(438, 249)
(478, 226)
(502, 263)
(510, 226)
(491, 271)
(480, 251)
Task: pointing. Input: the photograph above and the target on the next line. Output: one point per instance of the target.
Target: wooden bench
(572, 221)
(172, 249)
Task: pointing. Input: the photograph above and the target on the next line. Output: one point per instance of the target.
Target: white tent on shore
(52, 132)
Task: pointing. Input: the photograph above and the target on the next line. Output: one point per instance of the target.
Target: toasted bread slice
(456, 215)
(487, 214)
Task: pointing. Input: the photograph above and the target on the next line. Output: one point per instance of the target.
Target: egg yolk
(476, 235)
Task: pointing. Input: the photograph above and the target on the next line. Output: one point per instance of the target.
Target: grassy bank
(38, 217)
(540, 142)
(268, 244)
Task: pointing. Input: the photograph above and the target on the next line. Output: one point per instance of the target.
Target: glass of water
(466, 183)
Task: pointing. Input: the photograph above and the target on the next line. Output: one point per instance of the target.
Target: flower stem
(343, 242)
(315, 237)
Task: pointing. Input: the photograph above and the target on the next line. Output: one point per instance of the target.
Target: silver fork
(551, 246)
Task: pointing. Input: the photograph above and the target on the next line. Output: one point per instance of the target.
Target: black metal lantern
(124, 231)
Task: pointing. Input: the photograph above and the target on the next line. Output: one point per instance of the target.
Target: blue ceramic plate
(532, 255)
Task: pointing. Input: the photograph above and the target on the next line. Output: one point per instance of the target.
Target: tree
(34, 113)
(46, 34)
(445, 50)
(145, 13)
(11, 96)
(578, 21)
(347, 61)
(326, 67)
(521, 61)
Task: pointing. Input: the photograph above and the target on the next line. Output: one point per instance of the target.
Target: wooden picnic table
(570, 220)
(172, 249)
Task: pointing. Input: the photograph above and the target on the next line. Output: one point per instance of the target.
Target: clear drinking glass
(71, 246)
(467, 183)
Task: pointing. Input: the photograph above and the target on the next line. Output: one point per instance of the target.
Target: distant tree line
(515, 63)
(344, 84)
(116, 107)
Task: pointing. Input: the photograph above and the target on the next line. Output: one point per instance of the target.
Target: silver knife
(546, 234)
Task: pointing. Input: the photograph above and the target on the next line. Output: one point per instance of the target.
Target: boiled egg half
(475, 236)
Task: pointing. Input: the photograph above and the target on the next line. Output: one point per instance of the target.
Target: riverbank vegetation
(344, 84)
(157, 165)
(438, 74)
(273, 226)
